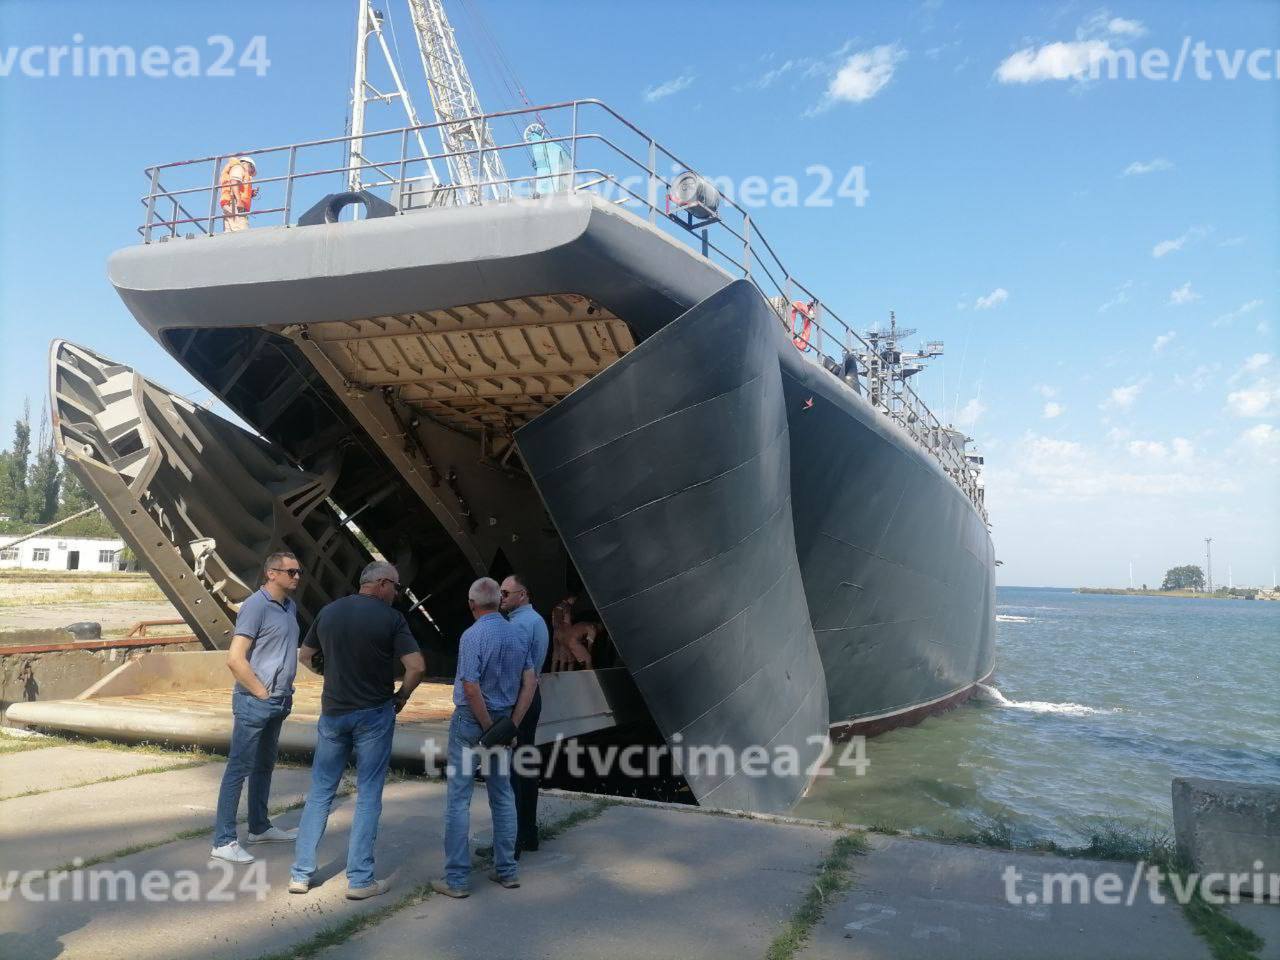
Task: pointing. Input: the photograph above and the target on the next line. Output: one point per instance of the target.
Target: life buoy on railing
(800, 335)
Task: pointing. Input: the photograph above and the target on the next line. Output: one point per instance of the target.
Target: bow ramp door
(200, 500)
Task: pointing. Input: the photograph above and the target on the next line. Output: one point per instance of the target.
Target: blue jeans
(255, 736)
(367, 732)
(464, 736)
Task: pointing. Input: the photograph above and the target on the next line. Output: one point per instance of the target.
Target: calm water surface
(1108, 698)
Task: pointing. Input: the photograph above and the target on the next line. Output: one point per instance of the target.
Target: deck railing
(601, 152)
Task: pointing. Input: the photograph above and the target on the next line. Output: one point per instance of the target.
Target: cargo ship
(562, 353)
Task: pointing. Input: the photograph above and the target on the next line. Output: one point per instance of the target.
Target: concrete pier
(627, 880)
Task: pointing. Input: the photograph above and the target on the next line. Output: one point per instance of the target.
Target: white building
(61, 553)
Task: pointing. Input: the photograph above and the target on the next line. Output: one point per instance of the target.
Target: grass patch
(66, 576)
(148, 593)
(832, 879)
(179, 752)
(339, 933)
(549, 831)
(119, 776)
(1226, 938)
(13, 745)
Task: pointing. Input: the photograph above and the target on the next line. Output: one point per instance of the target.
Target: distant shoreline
(1185, 594)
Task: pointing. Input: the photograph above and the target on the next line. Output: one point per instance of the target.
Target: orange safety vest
(236, 182)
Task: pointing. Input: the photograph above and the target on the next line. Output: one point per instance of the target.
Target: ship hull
(772, 557)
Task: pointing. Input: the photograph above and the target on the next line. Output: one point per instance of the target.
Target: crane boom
(475, 165)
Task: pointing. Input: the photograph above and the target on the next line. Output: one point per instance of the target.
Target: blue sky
(1100, 256)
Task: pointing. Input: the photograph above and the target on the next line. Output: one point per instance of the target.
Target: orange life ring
(800, 337)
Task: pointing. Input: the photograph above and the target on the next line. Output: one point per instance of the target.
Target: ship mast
(369, 26)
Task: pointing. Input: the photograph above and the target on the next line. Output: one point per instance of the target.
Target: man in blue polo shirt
(517, 604)
(495, 680)
(264, 660)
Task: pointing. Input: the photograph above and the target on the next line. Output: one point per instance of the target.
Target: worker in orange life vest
(237, 193)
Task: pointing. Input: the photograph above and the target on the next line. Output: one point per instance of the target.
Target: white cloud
(1126, 28)
(1183, 449)
(1259, 399)
(971, 413)
(1256, 362)
(1147, 449)
(1163, 341)
(993, 299)
(1121, 297)
(1199, 378)
(933, 52)
(1261, 440)
(862, 76)
(1053, 409)
(1184, 294)
(1122, 398)
(1140, 167)
(668, 87)
(1045, 469)
(1077, 59)
(1245, 308)
(1046, 391)
(1169, 246)
(1053, 61)
(773, 74)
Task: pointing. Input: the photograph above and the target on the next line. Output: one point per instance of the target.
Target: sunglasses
(393, 583)
(289, 571)
(510, 593)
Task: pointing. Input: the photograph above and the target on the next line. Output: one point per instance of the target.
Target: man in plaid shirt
(496, 679)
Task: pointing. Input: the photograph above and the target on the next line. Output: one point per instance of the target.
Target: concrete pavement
(922, 900)
(66, 766)
(636, 881)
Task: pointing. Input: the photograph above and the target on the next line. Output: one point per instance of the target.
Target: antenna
(1208, 564)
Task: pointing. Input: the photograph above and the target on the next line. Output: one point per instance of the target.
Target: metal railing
(295, 176)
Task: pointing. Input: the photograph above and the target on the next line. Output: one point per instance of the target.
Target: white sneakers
(232, 852)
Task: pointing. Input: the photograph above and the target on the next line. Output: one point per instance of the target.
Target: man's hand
(238, 664)
(414, 670)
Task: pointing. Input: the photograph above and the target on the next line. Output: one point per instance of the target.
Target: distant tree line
(36, 488)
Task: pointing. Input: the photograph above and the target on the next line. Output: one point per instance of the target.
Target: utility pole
(1208, 564)
(1130, 574)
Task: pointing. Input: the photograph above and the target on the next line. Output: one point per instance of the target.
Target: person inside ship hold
(236, 193)
(492, 692)
(573, 641)
(263, 658)
(361, 638)
(517, 604)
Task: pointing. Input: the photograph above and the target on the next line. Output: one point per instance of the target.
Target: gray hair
(379, 570)
(484, 593)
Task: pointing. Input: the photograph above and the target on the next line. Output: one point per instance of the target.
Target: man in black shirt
(360, 637)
